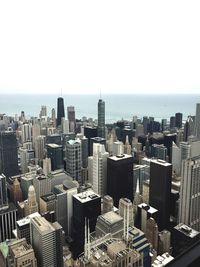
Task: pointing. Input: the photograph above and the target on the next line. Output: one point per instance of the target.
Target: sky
(109, 45)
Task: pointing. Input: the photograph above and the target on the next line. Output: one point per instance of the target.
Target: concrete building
(31, 205)
(46, 239)
(3, 193)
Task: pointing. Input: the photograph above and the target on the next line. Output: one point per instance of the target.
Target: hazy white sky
(84, 46)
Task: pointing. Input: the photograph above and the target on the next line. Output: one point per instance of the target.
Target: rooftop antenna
(61, 91)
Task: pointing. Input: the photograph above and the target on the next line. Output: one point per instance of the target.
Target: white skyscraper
(26, 132)
(189, 209)
(65, 126)
(99, 169)
(39, 147)
(23, 159)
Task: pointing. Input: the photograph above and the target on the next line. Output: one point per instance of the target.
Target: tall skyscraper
(40, 142)
(101, 118)
(160, 190)
(99, 180)
(26, 132)
(60, 110)
(8, 219)
(178, 118)
(120, 177)
(55, 153)
(86, 206)
(197, 121)
(8, 154)
(71, 118)
(3, 193)
(73, 159)
(189, 209)
(46, 239)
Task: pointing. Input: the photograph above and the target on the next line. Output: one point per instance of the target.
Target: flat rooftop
(120, 157)
(111, 217)
(186, 230)
(86, 196)
(161, 162)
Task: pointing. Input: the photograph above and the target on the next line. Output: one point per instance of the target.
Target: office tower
(42, 185)
(120, 177)
(101, 118)
(47, 203)
(178, 118)
(163, 124)
(21, 254)
(46, 166)
(31, 205)
(145, 212)
(118, 148)
(65, 126)
(86, 207)
(55, 153)
(23, 227)
(159, 151)
(96, 140)
(8, 219)
(139, 130)
(164, 240)
(172, 122)
(23, 159)
(84, 151)
(53, 117)
(64, 205)
(46, 239)
(126, 210)
(190, 194)
(35, 131)
(54, 138)
(26, 181)
(139, 242)
(183, 237)
(99, 180)
(168, 141)
(108, 204)
(73, 159)
(145, 123)
(3, 193)
(8, 154)
(43, 111)
(60, 110)
(127, 147)
(16, 192)
(71, 118)
(176, 159)
(109, 222)
(197, 121)
(90, 132)
(109, 144)
(152, 232)
(160, 190)
(188, 128)
(40, 142)
(26, 132)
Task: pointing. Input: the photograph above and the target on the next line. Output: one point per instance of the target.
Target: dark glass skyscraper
(101, 118)
(8, 154)
(120, 177)
(60, 110)
(3, 193)
(160, 190)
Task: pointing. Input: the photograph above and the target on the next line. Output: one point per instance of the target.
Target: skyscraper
(60, 110)
(120, 177)
(197, 121)
(31, 205)
(73, 159)
(189, 209)
(3, 193)
(46, 239)
(8, 154)
(160, 190)
(178, 118)
(101, 118)
(99, 169)
(71, 118)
